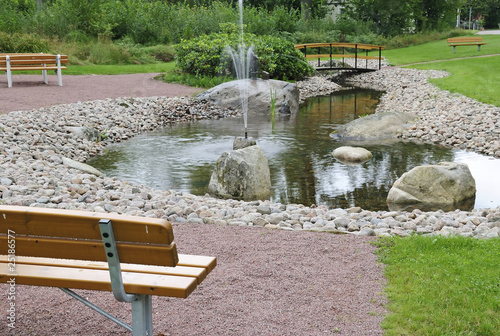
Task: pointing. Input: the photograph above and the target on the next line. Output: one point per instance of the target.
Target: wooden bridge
(342, 51)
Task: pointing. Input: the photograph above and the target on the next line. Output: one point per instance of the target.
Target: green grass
(175, 76)
(118, 69)
(478, 78)
(441, 286)
(112, 69)
(439, 50)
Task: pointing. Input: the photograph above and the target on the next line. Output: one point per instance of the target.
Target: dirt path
(267, 282)
(29, 92)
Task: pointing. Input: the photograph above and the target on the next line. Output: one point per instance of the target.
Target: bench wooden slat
(162, 255)
(197, 261)
(95, 279)
(464, 39)
(465, 44)
(82, 225)
(32, 57)
(15, 62)
(32, 68)
(196, 271)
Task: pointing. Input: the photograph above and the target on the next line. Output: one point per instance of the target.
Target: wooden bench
(29, 62)
(134, 257)
(466, 41)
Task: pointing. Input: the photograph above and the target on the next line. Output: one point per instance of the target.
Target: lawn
(476, 77)
(442, 286)
(439, 50)
(118, 69)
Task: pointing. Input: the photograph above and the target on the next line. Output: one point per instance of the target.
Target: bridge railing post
(355, 56)
(379, 58)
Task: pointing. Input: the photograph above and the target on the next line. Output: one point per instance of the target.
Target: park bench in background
(465, 41)
(134, 257)
(29, 62)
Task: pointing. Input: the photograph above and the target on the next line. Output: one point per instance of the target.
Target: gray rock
(227, 95)
(242, 174)
(80, 166)
(366, 231)
(445, 184)
(88, 133)
(378, 126)
(348, 154)
(241, 142)
(6, 181)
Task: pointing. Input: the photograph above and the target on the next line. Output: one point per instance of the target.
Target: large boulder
(352, 155)
(442, 186)
(259, 95)
(242, 174)
(378, 126)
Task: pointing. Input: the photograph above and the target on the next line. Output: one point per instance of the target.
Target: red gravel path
(267, 282)
(29, 92)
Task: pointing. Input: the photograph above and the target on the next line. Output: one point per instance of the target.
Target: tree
(487, 9)
(395, 17)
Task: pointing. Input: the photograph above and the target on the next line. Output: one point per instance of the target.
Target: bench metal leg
(142, 316)
(44, 74)
(96, 308)
(453, 49)
(9, 72)
(142, 313)
(59, 72)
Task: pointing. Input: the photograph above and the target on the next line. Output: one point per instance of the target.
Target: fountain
(242, 61)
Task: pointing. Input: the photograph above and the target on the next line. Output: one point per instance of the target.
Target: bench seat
(465, 41)
(31, 62)
(134, 257)
(179, 281)
(30, 68)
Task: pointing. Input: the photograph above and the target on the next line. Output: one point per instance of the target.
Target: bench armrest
(115, 272)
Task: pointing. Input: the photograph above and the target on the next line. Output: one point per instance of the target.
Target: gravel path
(29, 92)
(267, 282)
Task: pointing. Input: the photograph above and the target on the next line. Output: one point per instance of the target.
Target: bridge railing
(338, 51)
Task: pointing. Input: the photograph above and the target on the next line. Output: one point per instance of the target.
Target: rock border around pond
(35, 143)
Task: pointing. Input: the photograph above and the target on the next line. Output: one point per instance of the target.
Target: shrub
(22, 43)
(205, 55)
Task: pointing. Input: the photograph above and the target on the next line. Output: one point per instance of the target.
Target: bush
(22, 43)
(206, 56)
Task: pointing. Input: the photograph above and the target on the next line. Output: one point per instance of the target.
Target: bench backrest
(464, 39)
(27, 59)
(68, 234)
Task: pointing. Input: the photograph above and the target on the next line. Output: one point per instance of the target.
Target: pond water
(182, 157)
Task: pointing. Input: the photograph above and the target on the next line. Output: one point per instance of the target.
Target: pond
(182, 157)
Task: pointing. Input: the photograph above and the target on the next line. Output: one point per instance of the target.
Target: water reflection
(303, 170)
